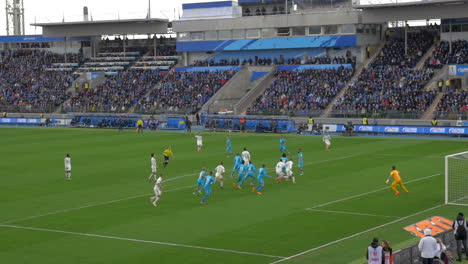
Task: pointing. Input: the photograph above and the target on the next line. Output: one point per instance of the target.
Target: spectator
(387, 252)
(304, 90)
(440, 249)
(375, 254)
(460, 228)
(185, 91)
(428, 247)
(434, 122)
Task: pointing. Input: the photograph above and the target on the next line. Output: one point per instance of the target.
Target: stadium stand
(118, 93)
(35, 80)
(389, 85)
(302, 91)
(442, 56)
(184, 91)
(453, 103)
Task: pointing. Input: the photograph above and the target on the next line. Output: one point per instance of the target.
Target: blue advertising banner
(20, 120)
(37, 38)
(272, 43)
(458, 70)
(214, 68)
(408, 130)
(312, 66)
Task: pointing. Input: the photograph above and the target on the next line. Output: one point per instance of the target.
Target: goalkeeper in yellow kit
(396, 181)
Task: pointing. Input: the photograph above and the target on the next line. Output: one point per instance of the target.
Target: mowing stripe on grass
(141, 195)
(89, 205)
(374, 191)
(355, 235)
(350, 213)
(141, 241)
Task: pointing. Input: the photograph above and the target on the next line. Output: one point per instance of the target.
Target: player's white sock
(149, 178)
(156, 199)
(221, 183)
(293, 179)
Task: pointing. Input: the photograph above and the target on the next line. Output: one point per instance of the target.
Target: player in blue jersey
(251, 171)
(209, 180)
(200, 182)
(261, 181)
(237, 163)
(283, 148)
(300, 161)
(228, 147)
(284, 158)
(240, 175)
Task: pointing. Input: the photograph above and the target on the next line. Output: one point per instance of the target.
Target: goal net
(456, 179)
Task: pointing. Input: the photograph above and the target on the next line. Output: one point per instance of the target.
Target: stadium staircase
(422, 61)
(429, 114)
(438, 74)
(237, 89)
(256, 89)
(326, 113)
(132, 109)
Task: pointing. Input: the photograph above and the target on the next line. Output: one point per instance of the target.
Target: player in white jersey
(219, 174)
(154, 167)
(157, 190)
(68, 167)
(279, 170)
(199, 142)
(246, 157)
(289, 171)
(327, 139)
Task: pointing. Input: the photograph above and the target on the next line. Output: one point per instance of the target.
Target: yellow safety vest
(447, 83)
(440, 84)
(311, 121)
(4, 114)
(434, 122)
(365, 121)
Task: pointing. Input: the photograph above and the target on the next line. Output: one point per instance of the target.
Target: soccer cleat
(253, 189)
(155, 205)
(203, 203)
(239, 187)
(259, 193)
(294, 182)
(234, 185)
(397, 193)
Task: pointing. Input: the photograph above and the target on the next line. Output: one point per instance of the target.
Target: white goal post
(456, 179)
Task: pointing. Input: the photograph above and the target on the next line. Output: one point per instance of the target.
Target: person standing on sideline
(460, 230)
(188, 125)
(68, 167)
(440, 248)
(374, 254)
(428, 247)
(388, 252)
(197, 116)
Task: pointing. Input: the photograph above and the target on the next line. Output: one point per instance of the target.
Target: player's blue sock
(259, 188)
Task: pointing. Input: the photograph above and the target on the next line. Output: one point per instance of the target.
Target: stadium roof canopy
(104, 27)
(417, 10)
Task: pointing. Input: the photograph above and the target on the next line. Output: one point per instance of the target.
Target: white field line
(142, 241)
(350, 213)
(141, 195)
(354, 235)
(89, 205)
(409, 156)
(374, 191)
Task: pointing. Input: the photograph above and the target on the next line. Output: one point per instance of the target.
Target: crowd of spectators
(442, 56)
(118, 93)
(454, 102)
(184, 91)
(265, 61)
(389, 83)
(26, 86)
(393, 53)
(310, 89)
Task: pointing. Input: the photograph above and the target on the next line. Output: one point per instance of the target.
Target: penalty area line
(374, 191)
(355, 235)
(142, 241)
(350, 213)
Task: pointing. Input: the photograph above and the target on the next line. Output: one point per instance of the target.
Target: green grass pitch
(104, 214)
